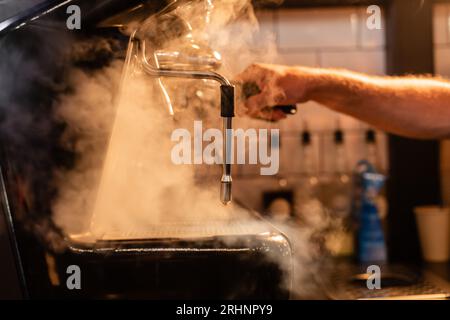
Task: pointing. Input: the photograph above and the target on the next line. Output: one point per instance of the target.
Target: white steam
(134, 188)
(129, 188)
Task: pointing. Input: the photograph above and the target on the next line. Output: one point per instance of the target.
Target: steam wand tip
(225, 190)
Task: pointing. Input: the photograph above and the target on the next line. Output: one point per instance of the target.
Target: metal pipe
(227, 110)
(226, 180)
(188, 74)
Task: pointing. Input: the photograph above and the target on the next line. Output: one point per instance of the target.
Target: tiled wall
(441, 24)
(441, 39)
(331, 38)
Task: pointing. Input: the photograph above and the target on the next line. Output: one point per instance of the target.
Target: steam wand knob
(227, 98)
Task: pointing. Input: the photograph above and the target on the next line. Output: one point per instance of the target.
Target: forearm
(414, 107)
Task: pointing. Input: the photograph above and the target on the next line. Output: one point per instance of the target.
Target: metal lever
(251, 89)
(227, 113)
(287, 109)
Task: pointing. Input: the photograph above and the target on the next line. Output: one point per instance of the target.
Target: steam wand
(227, 100)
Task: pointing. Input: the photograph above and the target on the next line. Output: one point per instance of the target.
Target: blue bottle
(371, 242)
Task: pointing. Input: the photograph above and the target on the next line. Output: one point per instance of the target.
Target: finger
(264, 99)
(270, 96)
(272, 114)
(268, 114)
(253, 73)
(255, 103)
(278, 115)
(241, 108)
(276, 97)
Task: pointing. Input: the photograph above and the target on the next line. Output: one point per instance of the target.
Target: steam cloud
(140, 192)
(128, 187)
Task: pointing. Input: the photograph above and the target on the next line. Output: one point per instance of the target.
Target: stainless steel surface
(14, 285)
(23, 18)
(344, 281)
(199, 62)
(175, 73)
(225, 189)
(99, 13)
(178, 60)
(225, 183)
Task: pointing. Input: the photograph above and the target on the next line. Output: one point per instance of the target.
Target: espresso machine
(241, 257)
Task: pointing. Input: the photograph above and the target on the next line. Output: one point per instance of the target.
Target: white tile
(440, 23)
(327, 150)
(316, 116)
(442, 61)
(354, 147)
(266, 31)
(265, 20)
(314, 28)
(246, 122)
(292, 122)
(309, 59)
(371, 62)
(350, 123)
(370, 38)
(290, 155)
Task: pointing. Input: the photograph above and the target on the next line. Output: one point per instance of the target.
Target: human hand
(266, 86)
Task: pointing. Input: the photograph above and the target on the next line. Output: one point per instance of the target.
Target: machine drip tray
(347, 281)
(238, 267)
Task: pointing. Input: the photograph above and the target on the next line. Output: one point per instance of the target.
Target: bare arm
(409, 106)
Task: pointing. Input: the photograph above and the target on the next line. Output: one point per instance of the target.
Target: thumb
(255, 103)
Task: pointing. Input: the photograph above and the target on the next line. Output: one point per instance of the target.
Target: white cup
(433, 223)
